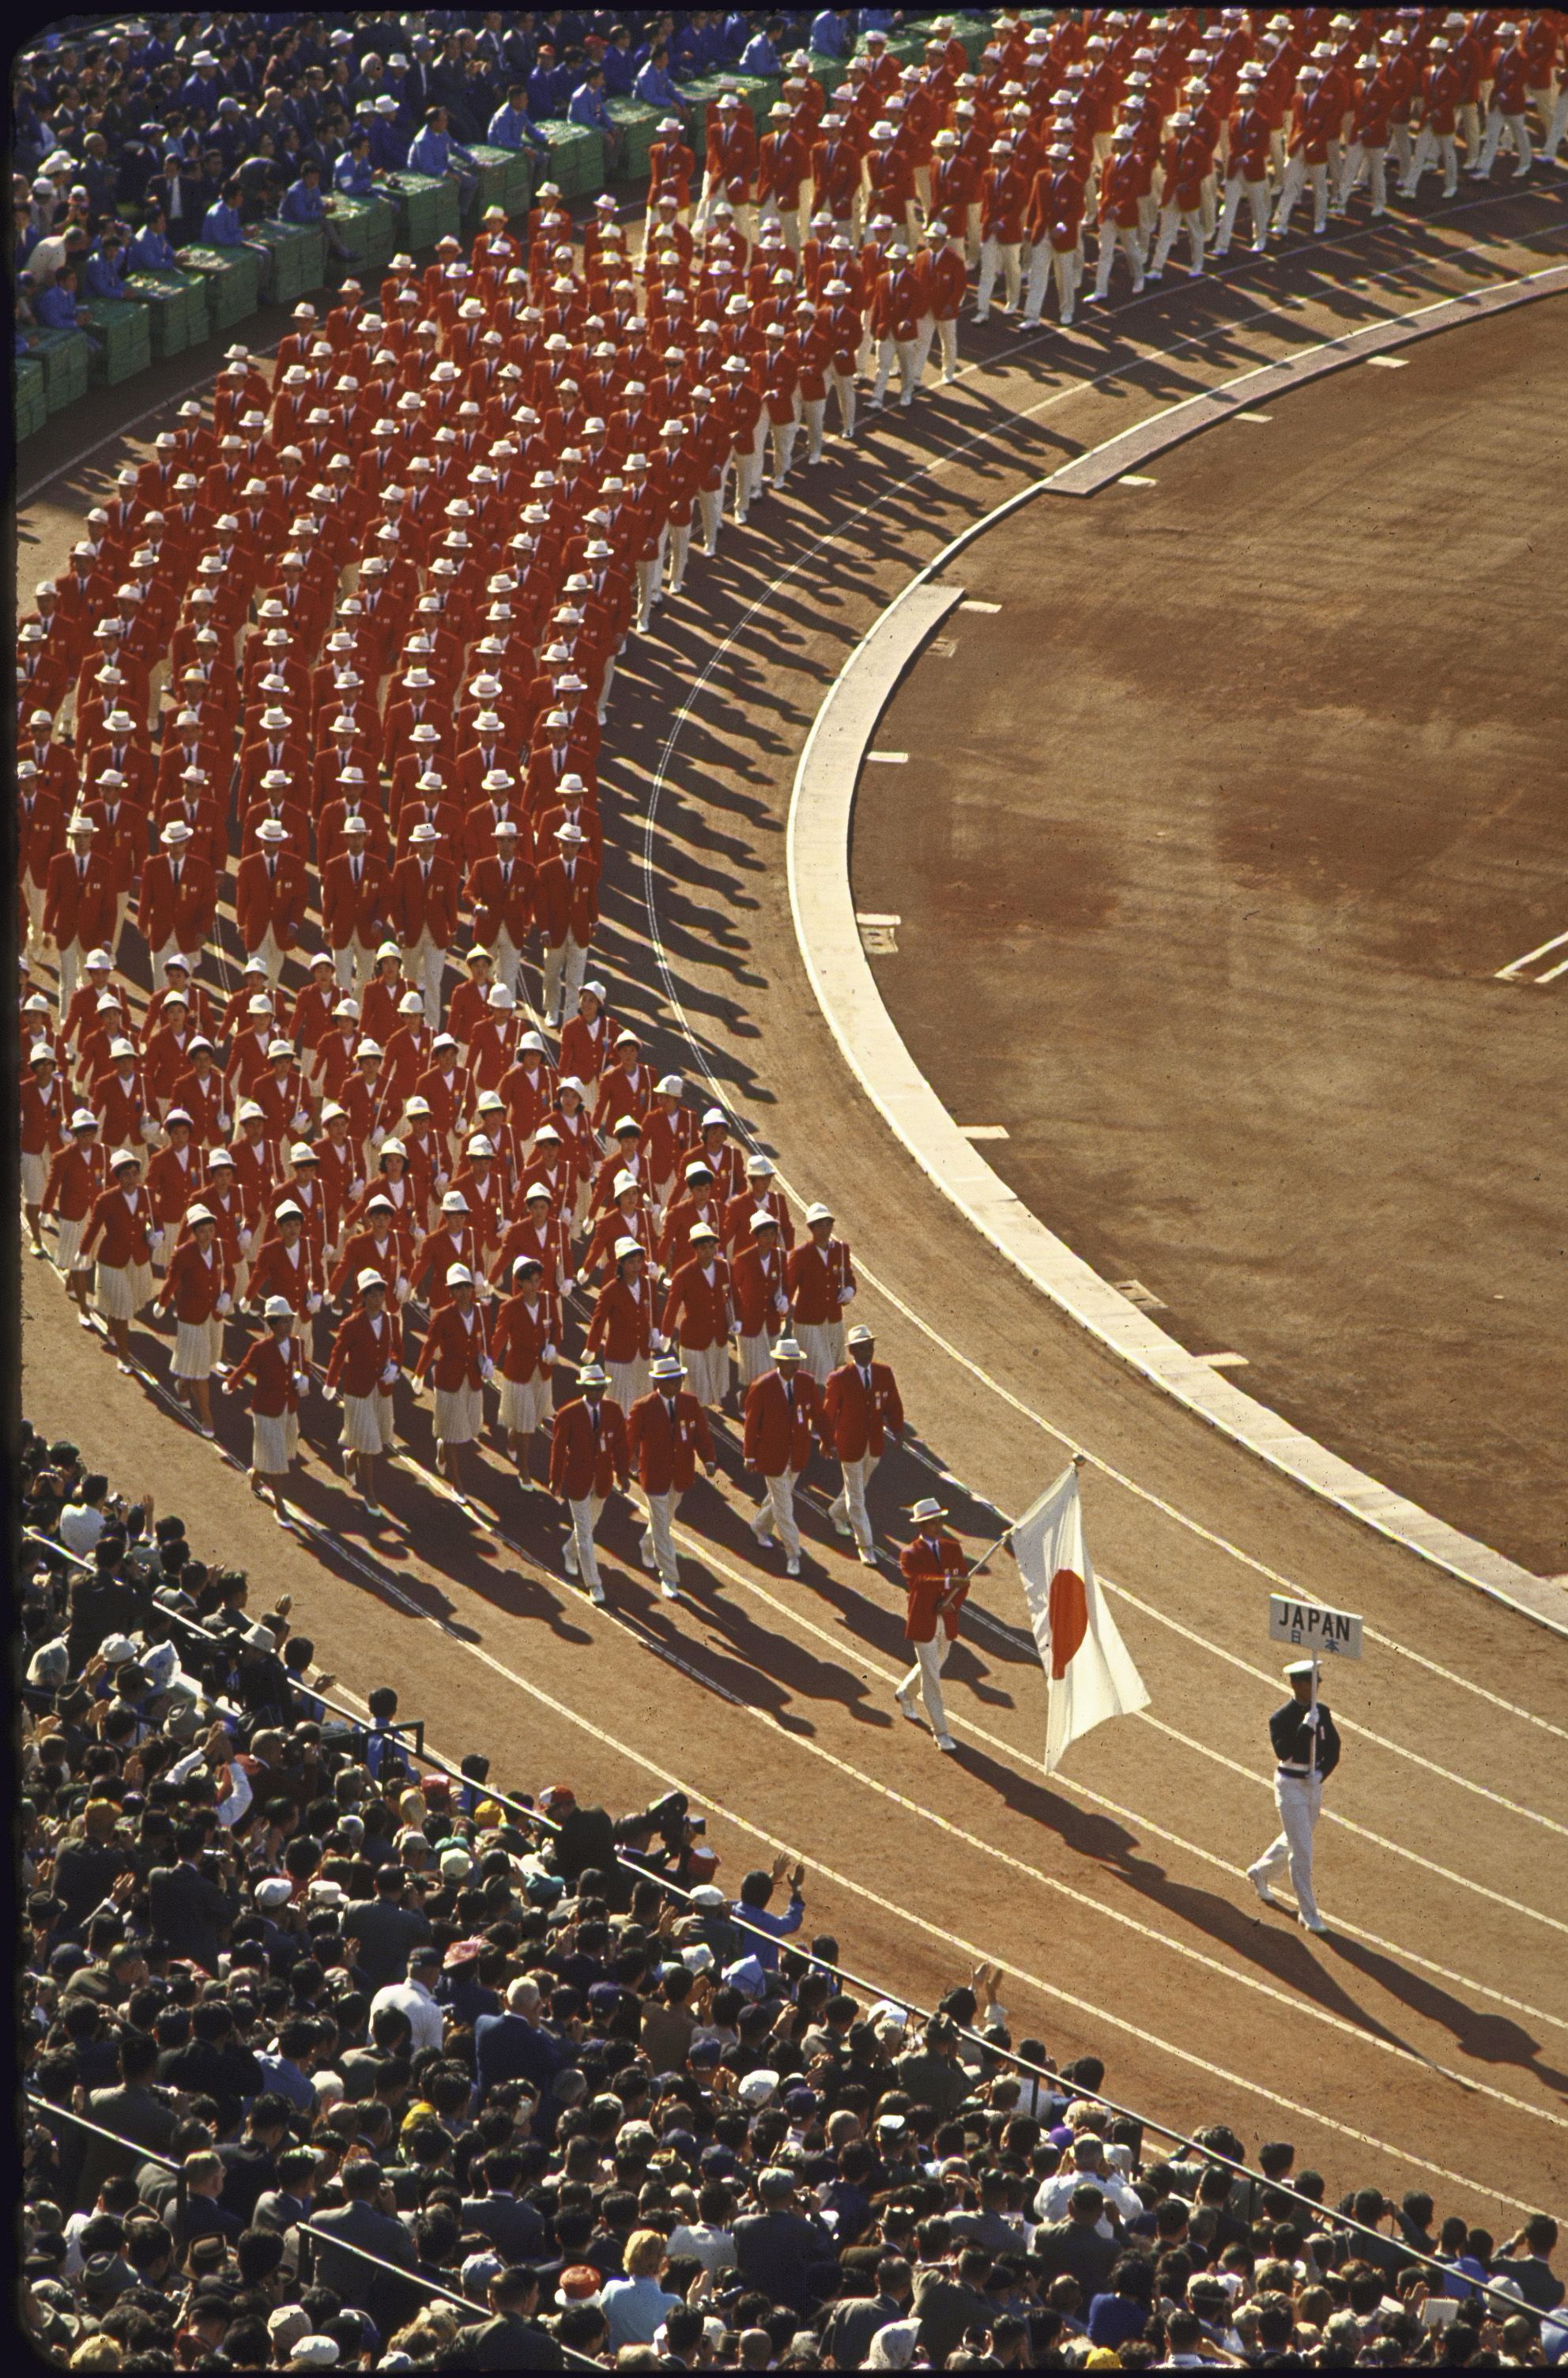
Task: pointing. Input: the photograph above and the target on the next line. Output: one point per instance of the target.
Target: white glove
(391, 1376)
(225, 1303)
(357, 1188)
(781, 1305)
(245, 1241)
(301, 1382)
(329, 1394)
(1308, 1717)
(486, 1370)
(547, 1354)
(223, 1122)
(402, 1289)
(313, 1303)
(846, 1296)
(579, 1279)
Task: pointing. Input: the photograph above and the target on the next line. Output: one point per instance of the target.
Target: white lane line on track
(918, 1321)
(1512, 973)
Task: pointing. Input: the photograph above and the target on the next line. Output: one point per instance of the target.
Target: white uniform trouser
(775, 1513)
(679, 547)
(1299, 1799)
(842, 385)
(747, 460)
(1298, 173)
(565, 964)
(707, 1372)
(1430, 144)
(425, 965)
(172, 949)
(34, 893)
(1042, 257)
(271, 957)
(506, 960)
(648, 573)
(900, 351)
(822, 1342)
(1375, 160)
(1257, 196)
(352, 964)
(71, 955)
(1005, 257)
(1112, 236)
(710, 503)
(658, 1545)
(782, 436)
(1518, 133)
(926, 1674)
(1172, 220)
(628, 1382)
(581, 1558)
(1557, 127)
(849, 1509)
(755, 1356)
(814, 412)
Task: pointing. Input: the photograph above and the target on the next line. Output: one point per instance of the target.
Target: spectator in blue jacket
(655, 86)
(760, 55)
(830, 32)
(152, 248)
(618, 66)
(512, 127)
(201, 90)
(433, 151)
(55, 308)
(549, 87)
(353, 175)
(221, 225)
(590, 107)
(389, 144)
(105, 273)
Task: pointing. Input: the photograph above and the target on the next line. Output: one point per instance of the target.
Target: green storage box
(428, 208)
(368, 229)
(124, 330)
(299, 259)
(29, 402)
(176, 309)
(504, 180)
(230, 277)
(640, 126)
(577, 158)
(65, 357)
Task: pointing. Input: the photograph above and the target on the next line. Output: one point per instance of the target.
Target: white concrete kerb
(821, 901)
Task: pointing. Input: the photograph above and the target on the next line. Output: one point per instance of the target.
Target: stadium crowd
(296, 1986)
(320, 1080)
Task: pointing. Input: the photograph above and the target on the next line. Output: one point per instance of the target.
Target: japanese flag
(1088, 1672)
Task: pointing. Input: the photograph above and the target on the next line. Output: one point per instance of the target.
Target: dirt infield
(1225, 824)
(1427, 2036)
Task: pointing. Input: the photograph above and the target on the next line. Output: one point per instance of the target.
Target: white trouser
(352, 964)
(679, 547)
(782, 436)
(1469, 119)
(1257, 196)
(1557, 127)
(900, 351)
(814, 412)
(926, 1673)
(754, 1355)
(658, 1545)
(1400, 136)
(1173, 219)
(34, 893)
(648, 576)
(425, 965)
(71, 955)
(1298, 173)
(1375, 162)
(1112, 236)
(506, 960)
(849, 1509)
(772, 212)
(271, 957)
(775, 1515)
(707, 1372)
(581, 1558)
(1299, 1799)
(1430, 144)
(1006, 258)
(1518, 133)
(628, 1382)
(565, 964)
(822, 1342)
(843, 388)
(710, 503)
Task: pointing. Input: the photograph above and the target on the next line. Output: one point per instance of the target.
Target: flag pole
(1078, 1462)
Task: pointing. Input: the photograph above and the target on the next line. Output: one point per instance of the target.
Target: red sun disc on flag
(1069, 1619)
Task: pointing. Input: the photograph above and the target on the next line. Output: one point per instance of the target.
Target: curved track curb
(823, 906)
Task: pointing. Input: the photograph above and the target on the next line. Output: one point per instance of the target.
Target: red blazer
(855, 1423)
(561, 907)
(362, 1253)
(278, 901)
(172, 1185)
(352, 911)
(697, 1311)
(77, 1178)
(275, 1272)
(759, 1289)
(194, 1282)
(418, 904)
(778, 1438)
(79, 908)
(182, 912)
(522, 1335)
(270, 1372)
(665, 1451)
(454, 1351)
(933, 1574)
(623, 1322)
(499, 905)
(816, 1275)
(360, 1355)
(120, 1226)
(582, 1463)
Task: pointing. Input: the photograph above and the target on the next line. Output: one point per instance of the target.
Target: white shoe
(843, 1528)
(596, 1592)
(569, 1565)
(670, 1592)
(1264, 1894)
(1311, 1924)
(792, 1566)
(649, 1557)
(765, 1543)
(945, 1742)
(866, 1560)
(907, 1708)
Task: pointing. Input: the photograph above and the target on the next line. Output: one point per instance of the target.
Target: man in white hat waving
(1306, 1749)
